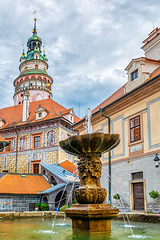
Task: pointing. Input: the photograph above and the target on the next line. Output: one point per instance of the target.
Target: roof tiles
(13, 115)
(23, 184)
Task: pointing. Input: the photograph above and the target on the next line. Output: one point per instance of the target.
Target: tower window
(134, 75)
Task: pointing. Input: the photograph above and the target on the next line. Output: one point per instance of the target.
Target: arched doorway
(60, 199)
(45, 200)
(53, 181)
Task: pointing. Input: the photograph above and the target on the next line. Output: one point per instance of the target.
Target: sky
(88, 44)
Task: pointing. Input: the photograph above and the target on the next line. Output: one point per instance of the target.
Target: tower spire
(34, 29)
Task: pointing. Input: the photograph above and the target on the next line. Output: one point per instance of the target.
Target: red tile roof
(69, 167)
(23, 184)
(13, 115)
(154, 73)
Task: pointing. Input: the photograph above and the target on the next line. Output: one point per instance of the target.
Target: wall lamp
(156, 160)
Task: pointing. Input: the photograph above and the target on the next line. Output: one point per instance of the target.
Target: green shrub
(63, 208)
(38, 204)
(154, 194)
(44, 207)
(117, 196)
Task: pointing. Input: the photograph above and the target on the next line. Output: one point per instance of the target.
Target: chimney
(25, 106)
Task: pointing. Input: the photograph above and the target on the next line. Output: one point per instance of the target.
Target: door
(138, 196)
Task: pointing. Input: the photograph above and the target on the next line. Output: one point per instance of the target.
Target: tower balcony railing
(25, 88)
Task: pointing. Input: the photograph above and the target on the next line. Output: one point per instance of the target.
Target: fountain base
(91, 217)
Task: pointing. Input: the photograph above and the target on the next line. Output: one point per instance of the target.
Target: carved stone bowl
(90, 143)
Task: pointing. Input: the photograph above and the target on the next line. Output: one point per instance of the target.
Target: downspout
(109, 157)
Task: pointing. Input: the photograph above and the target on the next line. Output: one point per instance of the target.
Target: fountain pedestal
(90, 214)
(91, 217)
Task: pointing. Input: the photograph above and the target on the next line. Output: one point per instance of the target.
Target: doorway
(138, 196)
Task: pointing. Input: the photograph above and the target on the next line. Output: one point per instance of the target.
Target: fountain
(90, 213)
(3, 143)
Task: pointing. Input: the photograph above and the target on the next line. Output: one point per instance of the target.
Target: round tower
(33, 77)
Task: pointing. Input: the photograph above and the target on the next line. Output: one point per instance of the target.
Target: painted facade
(134, 111)
(36, 123)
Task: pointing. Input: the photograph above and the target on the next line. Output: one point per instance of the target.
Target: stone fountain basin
(90, 143)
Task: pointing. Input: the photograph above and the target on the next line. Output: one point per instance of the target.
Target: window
(137, 175)
(36, 168)
(40, 114)
(36, 66)
(135, 134)
(37, 141)
(134, 75)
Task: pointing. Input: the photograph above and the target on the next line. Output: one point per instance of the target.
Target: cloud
(88, 44)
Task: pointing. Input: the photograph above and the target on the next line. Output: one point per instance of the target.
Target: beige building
(134, 113)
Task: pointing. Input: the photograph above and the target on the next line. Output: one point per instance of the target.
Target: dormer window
(2, 122)
(134, 75)
(41, 112)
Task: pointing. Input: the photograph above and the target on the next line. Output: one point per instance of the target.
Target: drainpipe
(109, 157)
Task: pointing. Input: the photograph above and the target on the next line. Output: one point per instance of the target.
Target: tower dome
(33, 77)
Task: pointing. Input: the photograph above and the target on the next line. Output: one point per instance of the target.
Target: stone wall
(122, 182)
(17, 203)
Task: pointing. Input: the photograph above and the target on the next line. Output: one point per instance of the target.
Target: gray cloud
(88, 44)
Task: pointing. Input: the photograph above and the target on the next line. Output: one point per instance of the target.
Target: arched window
(45, 200)
(53, 181)
(36, 66)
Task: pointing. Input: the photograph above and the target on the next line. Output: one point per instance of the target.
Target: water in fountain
(121, 203)
(37, 228)
(87, 124)
(61, 200)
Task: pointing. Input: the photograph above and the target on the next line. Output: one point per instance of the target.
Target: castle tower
(33, 77)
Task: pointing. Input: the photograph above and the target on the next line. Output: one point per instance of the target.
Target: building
(63, 181)
(19, 192)
(36, 123)
(134, 113)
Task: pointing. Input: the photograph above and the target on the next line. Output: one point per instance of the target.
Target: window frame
(33, 140)
(134, 75)
(134, 128)
(37, 162)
